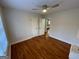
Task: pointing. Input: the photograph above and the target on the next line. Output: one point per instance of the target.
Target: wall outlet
(78, 35)
(75, 49)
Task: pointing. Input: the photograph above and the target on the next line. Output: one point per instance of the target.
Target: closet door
(41, 26)
(35, 26)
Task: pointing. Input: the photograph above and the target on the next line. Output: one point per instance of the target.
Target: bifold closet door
(41, 26)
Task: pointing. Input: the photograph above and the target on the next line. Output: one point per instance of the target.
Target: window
(3, 40)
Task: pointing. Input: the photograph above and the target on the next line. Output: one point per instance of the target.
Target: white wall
(65, 26)
(21, 25)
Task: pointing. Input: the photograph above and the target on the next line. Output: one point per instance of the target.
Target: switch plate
(78, 35)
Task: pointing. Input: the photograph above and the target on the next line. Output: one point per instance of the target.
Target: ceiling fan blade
(56, 5)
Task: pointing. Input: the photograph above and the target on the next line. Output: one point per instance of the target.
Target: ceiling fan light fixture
(44, 10)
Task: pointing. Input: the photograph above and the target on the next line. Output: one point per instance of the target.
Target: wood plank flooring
(40, 48)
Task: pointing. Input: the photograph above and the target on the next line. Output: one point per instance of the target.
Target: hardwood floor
(40, 48)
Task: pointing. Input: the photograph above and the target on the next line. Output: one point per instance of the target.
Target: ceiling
(28, 5)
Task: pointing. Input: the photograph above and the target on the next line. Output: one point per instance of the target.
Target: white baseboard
(70, 42)
(34, 36)
(59, 39)
(56, 37)
(22, 40)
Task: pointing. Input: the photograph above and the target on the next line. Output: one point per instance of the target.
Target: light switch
(78, 34)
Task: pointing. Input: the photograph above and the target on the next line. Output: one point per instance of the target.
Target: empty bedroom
(39, 29)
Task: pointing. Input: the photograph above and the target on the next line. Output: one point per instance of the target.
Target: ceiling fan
(45, 7)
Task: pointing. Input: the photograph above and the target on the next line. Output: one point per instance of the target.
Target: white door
(35, 26)
(41, 26)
